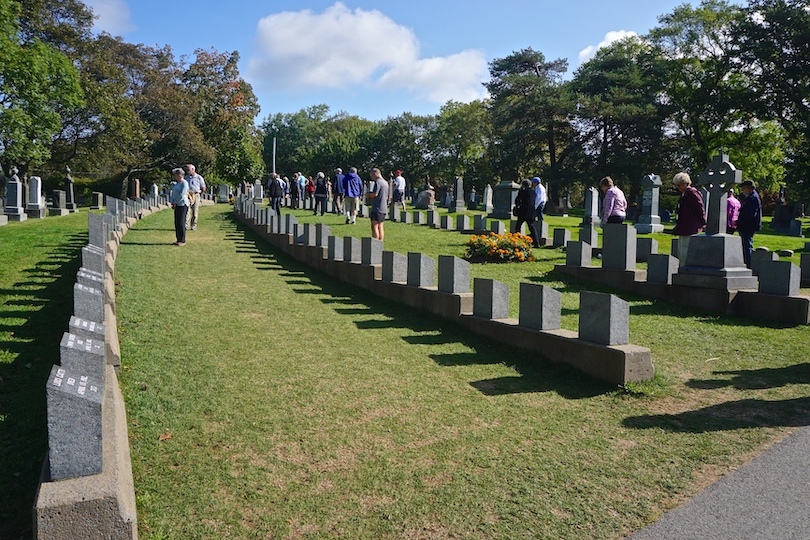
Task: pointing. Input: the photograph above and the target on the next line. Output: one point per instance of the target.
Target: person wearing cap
(180, 203)
(539, 200)
(337, 191)
(398, 189)
(321, 193)
(614, 208)
(750, 219)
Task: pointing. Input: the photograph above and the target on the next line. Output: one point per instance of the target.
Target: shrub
(511, 247)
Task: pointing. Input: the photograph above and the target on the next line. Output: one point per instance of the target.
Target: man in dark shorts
(379, 204)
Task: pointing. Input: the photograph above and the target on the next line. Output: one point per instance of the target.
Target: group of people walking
(185, 195)
(344, 190)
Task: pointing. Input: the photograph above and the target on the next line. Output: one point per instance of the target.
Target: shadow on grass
(755, 379)
(742, 414)
(35, 348)
(536, 374)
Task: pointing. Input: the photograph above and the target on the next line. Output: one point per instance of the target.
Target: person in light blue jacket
(180, 203)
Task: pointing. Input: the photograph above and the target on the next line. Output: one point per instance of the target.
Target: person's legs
(748, 248)
(683, 248)
(533, 233)
(180, 213)
(377, 230)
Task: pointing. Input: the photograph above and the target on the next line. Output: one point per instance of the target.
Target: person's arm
(607, 207)
(374, 192)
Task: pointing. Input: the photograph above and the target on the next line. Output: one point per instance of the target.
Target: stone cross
(69, 195)
(717, 178)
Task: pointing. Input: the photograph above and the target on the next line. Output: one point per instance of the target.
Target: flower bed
(511, 247)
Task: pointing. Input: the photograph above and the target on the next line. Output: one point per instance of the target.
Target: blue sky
(375, 59)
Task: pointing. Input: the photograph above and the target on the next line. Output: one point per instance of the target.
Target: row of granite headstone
(622, 249)
(77, 409)
(75, 388)
(604, 318)
(63, 202)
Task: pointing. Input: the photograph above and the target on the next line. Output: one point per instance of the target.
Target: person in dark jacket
(275, 192)
(337, 191)
(750, 219)
(524, 210)
(691, 213)
(321, 193)
(295, 194)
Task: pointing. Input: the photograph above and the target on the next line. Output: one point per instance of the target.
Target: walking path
(767, 498)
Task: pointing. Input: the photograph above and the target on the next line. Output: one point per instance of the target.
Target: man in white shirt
(539, 203)
(196, 185)
(398, 190)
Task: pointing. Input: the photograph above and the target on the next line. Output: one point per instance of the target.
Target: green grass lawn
(268, 400)
(38, 263)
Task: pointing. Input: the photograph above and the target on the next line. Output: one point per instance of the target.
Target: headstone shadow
(536, 374)
(729, 416)
(755, 379)
(34, 346)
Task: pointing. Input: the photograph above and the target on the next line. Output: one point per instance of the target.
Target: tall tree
(774, 47)
(702, 85)
(106, 134)
(296, 134)
(459, 141)
(36, 83)
(227, 107)
(621, 115)
(530, 107)
(401, 143)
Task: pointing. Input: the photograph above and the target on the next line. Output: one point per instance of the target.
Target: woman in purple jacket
(691, 213)
(614, 209)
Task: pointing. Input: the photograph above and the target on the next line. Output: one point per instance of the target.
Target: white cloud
(590, 51)
(341, 48)
(111, 16)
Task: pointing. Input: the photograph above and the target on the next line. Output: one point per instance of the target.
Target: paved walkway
(768, 498)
